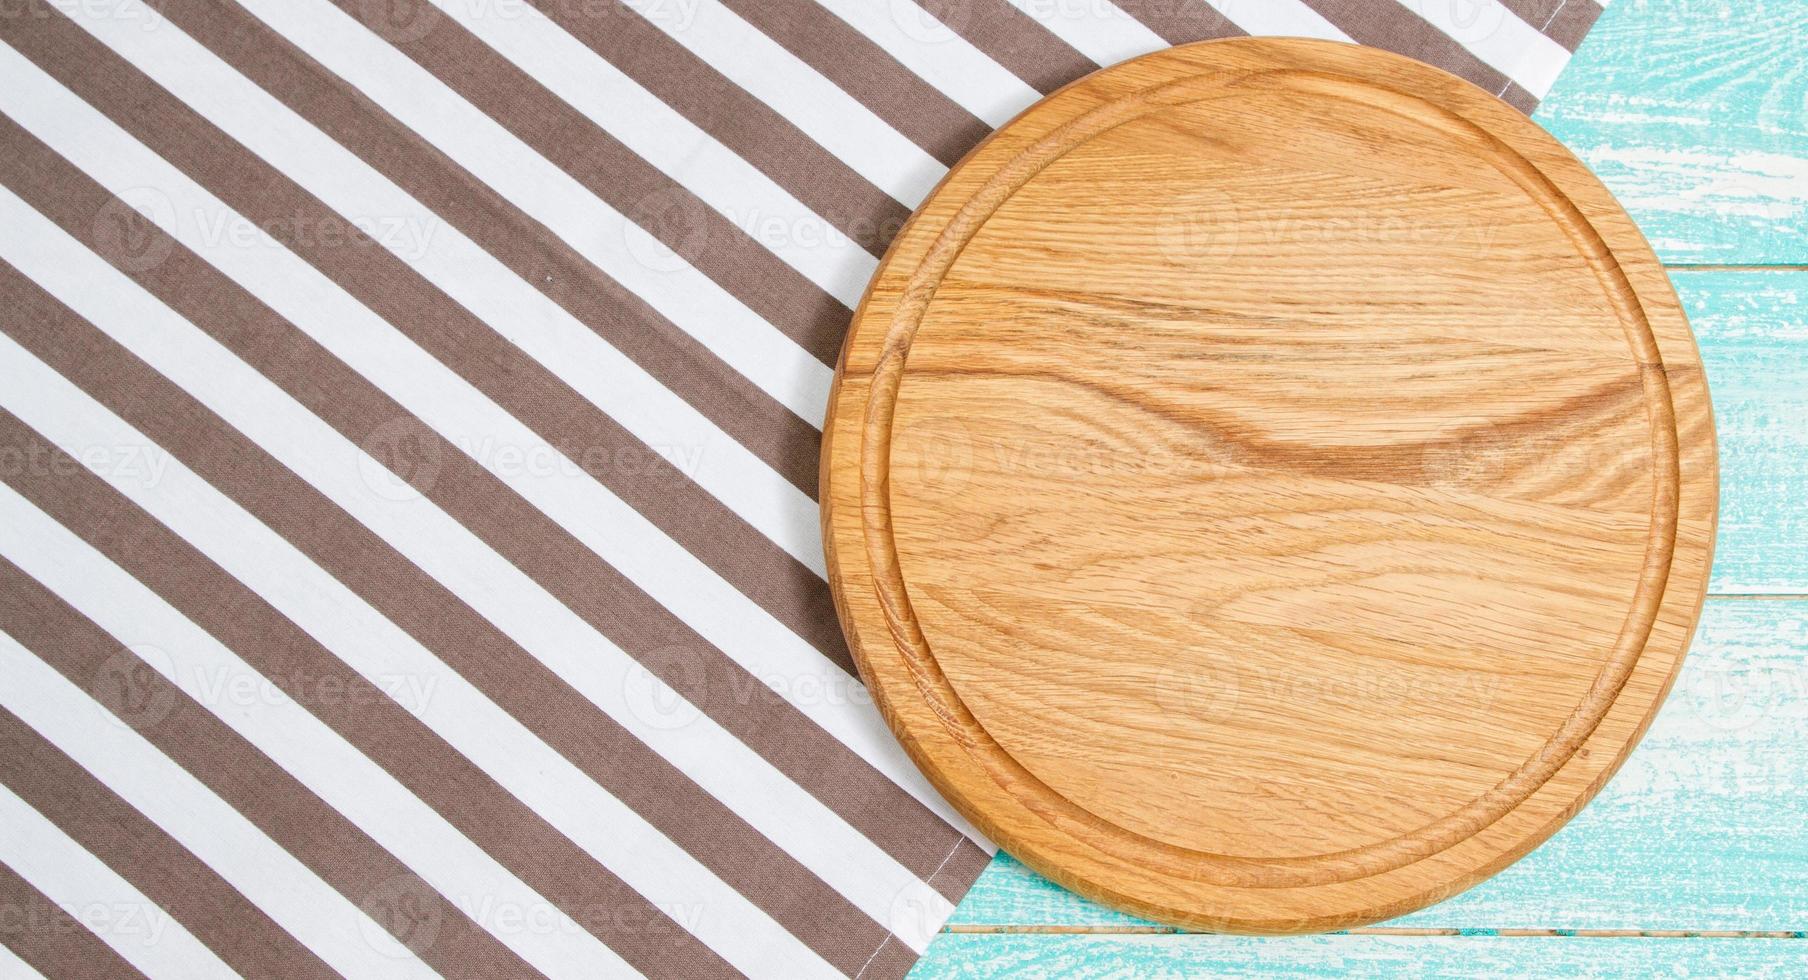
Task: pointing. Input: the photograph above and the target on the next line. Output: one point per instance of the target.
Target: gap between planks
(1394, 931)
(1735, 267)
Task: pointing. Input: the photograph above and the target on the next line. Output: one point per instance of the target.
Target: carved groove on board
(1229, 869)
(997, 224)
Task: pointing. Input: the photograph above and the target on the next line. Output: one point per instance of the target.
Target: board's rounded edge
(1697, 509)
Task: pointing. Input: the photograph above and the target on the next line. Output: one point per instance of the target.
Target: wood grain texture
(1159, 957)
(1702, 829)
(1695, 114)
(1682, 93)
(1430, 525)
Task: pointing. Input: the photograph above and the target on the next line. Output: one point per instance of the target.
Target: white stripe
(299, 742)
(533, 772)
(1283, 18)
(616, 532)
(724, 767)
(92, 893)
(14, 968)
(938, 55)
(837, 121)
(543, 191)
(464, 271)
(220, 837)
(667, 140)
(1095, 28)
(1498, 37)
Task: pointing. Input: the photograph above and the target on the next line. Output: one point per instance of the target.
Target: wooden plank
(977, 956)
(1753, 332)
(1702, 829)
(1692, 112)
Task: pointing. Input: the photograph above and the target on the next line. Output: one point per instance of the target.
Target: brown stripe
(1572, 22)
(724, 110)
(954, 877)
(862, 69)
(891, 962)
(470, 644)
(1014, 39)
(750, 562)
(962, 868)
(1519, 98)
(50, 940)
(738, 701)
(1563, 21)
(1181, 21)
(214, 912)
(678, 361)
(1390, 25)
(286, 811)
(743, 556)
(360, 712)
(714, 244)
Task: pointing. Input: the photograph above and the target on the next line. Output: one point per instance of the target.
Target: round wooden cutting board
(1269, 486)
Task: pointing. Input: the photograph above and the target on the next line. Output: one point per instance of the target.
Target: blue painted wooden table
(1694, 860)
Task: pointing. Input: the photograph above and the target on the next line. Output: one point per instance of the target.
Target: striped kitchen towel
(409, 557)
